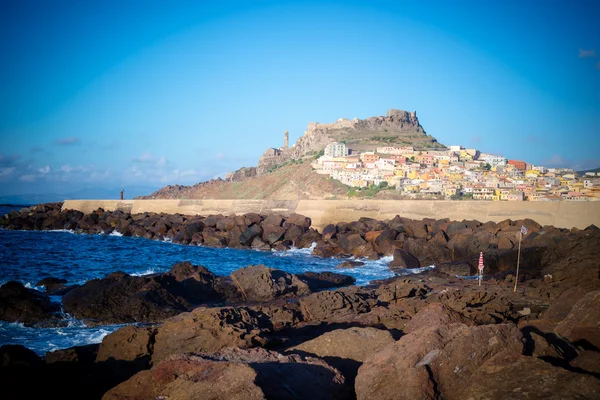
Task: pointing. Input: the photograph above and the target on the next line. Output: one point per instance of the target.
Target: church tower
(286, 138)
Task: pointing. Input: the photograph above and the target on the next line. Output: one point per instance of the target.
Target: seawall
(561, 214)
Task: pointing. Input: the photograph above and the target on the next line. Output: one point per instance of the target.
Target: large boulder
(433, 362)
(582, 325)
(259, 283)
(510, 376)
(190, 377)
(121, 298)
(236, 374)
(346, 349)
(325, 280)
(210, 329)
(402, 260)
(28, 306)
(354, 244)
(435, 314)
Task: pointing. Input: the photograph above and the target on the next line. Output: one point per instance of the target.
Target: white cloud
(587, 53)
(44, 170)
(161, 162)
(145, 158)
(27, 178)
(67, 141)
(66, 168)
(557, 161)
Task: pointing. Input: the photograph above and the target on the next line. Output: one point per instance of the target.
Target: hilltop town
(387, 157)
(455, 173)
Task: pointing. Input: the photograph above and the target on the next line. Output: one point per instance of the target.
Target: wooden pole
(518, 259)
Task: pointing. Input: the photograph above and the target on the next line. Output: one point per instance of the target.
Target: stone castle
(396, 123)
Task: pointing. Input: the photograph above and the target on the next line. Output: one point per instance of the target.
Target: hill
(285, 173)
(596, 170)
(397, 128)
(290, 182)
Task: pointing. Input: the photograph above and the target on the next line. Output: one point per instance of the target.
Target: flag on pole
(523, 230)
(480, 267)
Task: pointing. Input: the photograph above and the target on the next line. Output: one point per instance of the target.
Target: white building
(336, 149)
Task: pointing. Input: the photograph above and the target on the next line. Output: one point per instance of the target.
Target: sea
(29, 256)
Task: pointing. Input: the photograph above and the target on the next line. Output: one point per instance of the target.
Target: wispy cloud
(144, 158)
(476, 139)
(69, 141)
(557, 161)
(36, 149)
(6, 171)
(587, 53)
(27, 178)
(44, 170)
(8, 161)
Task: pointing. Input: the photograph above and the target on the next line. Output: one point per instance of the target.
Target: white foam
(410, 271)
(149, 271)
(115, 233)
(295, 251)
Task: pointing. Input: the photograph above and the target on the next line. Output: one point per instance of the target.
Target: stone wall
(562, 214)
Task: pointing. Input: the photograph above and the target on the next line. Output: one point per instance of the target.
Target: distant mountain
(589, 170)
(93, 193)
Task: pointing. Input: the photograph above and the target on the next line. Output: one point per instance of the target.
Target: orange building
(518, 164)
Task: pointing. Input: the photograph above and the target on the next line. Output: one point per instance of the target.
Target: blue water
(28, 256)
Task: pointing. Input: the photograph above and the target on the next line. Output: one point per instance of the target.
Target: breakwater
(561, 214)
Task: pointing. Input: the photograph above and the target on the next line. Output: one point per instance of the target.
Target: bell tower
(286, 138)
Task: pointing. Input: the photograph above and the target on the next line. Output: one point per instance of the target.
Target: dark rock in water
(129, 343)
(120, 298)
(19, 304)
(327, 250)
(259, 283)
(403, 259)
(354, 244)
(16, 355)
(78, 354)
(325, 280)
(249, 234)
(349, 264)
(52, 284)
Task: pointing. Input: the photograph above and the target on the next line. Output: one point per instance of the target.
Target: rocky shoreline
(264, 333)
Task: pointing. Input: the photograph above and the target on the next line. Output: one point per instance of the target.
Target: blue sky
(150, 93)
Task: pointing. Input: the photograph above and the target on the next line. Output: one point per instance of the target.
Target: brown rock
(259, 283)
(190, 377)
(346, 349)
(298, 220)
(329, 232)
(514, 376)
(349, 264)
(435, 314)
(327, 250)
(403, 259)
(433, 362)
(371, 236)
(582, 325)
(504, 243)
(208, 330)
(28, 306)
(272, 233)
(129, 343)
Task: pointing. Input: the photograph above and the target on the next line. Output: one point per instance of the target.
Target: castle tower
(286, 138)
